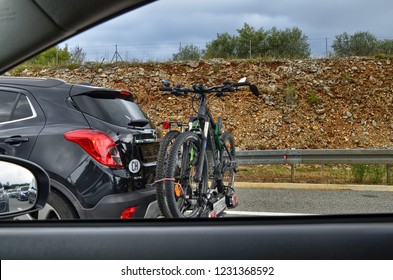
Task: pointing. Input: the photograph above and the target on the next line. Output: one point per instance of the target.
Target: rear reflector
(212, 214)
(167, 125)
(98, 145)
(128, 213)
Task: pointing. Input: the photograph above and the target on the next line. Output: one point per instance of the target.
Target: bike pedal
(232, 201)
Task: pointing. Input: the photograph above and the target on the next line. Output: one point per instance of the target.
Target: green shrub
(369, 174)
(376, 173)
(358, 172)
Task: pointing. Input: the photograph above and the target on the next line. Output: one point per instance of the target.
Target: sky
(14, 174)
(163, 25)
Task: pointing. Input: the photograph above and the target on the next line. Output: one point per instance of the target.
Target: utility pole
(116, 55)
(326, 47)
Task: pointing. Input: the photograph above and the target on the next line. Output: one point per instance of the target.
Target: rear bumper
(112, 206)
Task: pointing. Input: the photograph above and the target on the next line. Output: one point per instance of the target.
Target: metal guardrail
(355, 156)
(318, 156)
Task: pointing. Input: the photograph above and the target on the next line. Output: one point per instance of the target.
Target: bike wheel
(228, 163)
(185, 197)
(162, 160)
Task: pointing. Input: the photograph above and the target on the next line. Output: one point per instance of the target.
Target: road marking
(251, 213)
(22, 217)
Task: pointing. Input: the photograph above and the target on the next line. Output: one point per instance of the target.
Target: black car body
(97, 146)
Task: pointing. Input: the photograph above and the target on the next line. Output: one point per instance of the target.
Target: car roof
(31, 82)
(73, 89)
(29, 27)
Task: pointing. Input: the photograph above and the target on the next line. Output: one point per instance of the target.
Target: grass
(290, 95)
(314, 99)
(384, 56)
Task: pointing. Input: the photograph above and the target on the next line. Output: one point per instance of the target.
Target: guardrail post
(388, 174)
(292, 172)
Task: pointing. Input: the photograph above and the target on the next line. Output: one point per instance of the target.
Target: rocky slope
(304, 104)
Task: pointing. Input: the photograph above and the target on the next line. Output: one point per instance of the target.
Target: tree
(341, 45)
(363, 44)
(77, 55)
(251, 42)
(385, 47)
(359, 44)
(224, 46)
(288, 43)
(188, 52)
(52, 56)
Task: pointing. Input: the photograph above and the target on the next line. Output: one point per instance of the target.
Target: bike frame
(206, 121)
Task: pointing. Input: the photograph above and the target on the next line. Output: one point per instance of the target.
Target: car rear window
(23, 109)
(111, 108)
(14, 106)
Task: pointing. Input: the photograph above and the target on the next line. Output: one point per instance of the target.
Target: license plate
(220, 205)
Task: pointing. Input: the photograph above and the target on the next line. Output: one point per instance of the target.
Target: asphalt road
(16, 205)
(293, 201)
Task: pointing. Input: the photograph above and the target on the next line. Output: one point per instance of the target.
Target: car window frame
(34, 112)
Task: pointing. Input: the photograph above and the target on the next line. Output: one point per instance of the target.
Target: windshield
(317, 140)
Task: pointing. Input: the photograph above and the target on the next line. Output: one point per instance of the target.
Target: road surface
(294, 199)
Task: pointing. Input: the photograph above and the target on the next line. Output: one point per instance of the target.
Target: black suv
(97, 146)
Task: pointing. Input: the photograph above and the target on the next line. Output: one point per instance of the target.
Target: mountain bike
(199, 173)
(162, 158)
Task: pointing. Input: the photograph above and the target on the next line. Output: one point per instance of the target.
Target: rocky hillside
(304, 104)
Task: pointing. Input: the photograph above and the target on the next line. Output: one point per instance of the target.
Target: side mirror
(254, 90)
(24, 187)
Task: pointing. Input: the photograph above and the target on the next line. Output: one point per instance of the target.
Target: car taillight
(97, 144)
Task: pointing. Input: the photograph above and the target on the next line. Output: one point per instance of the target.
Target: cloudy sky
(14, 174)
(167, 23)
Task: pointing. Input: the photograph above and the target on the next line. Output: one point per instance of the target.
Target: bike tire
(228, 160)
(162, 160)
(185, 198)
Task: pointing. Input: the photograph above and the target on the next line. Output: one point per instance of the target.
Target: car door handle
(16, 140)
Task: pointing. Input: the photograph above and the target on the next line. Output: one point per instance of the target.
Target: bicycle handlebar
(220, 89)
(165, 89)
(241, 84)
